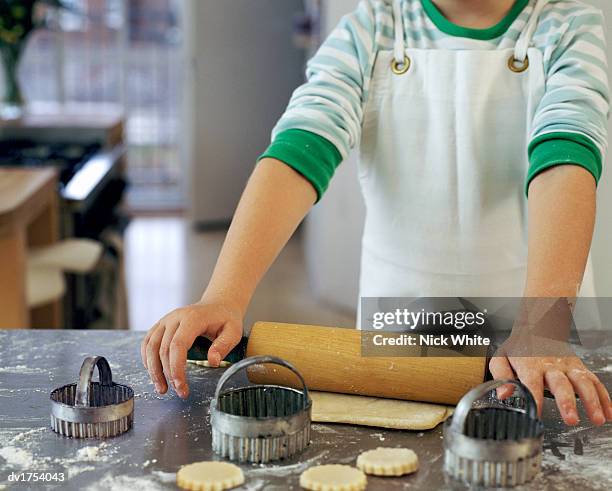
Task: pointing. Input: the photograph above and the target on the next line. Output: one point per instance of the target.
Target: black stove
(91, 187)
(90, 183)
(68, 158)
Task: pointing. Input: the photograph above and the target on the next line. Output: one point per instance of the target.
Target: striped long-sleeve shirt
(324, 117)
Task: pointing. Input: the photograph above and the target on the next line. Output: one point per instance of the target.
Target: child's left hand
(563, 375)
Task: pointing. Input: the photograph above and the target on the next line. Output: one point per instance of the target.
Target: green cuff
(555, 149)
(313, 156)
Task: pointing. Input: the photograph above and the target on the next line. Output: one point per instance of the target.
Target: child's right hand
(164, 348)
(259, 230)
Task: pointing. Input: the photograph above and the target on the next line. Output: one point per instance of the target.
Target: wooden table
(28, 218)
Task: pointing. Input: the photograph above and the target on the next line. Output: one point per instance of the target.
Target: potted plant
(18, 19)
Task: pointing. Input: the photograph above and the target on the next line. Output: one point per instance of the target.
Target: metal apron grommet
(92, 409)
(260, 423)
(401, 68)
(494, 443)
(518, 66)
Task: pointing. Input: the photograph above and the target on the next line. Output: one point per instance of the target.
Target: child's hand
(164, 348)
(564, 376)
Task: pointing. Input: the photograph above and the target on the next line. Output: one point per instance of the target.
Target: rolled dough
(330, 407)
(388, 461)
(333, 477)
(209, 476)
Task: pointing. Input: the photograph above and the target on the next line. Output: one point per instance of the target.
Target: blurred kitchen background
(152, 113)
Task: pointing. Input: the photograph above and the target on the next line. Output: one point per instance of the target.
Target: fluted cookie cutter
(90, 409)
(494, 443)
(260, 423)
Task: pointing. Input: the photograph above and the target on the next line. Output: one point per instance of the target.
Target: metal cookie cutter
(260, 423)
(92, 409)
(495, 443)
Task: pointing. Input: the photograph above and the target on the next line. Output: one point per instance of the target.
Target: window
(125, 52)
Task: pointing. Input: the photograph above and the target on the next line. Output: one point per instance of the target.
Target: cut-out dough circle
(388, 461)
(204, 363)
(333, 477)
(209, 476)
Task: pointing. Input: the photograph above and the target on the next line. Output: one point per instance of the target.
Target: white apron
(443, 169)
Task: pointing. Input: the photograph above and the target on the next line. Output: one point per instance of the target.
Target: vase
(13, 102)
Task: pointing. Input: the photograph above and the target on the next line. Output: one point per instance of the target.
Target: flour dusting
(254, 485)
(588, 470)
(287, 470)
(323, 429)
(24, 434)
(22, 450)
(17, 457)
(22, 370)
(89, 453)
(121, 483)
(166, 477)
(75, 470)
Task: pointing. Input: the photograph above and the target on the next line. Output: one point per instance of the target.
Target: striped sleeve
(329, 105)
(570, 125)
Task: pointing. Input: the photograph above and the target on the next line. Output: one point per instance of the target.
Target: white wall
(242, 68)
(334, 227)
(602, 245)
(333, 10)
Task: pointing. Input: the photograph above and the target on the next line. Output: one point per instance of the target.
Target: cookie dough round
(209, 476)
(204, 363)
(333, 477)
(388, 461)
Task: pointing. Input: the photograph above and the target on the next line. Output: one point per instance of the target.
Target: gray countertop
(169, 432)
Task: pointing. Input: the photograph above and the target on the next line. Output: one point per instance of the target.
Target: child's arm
(566, 152)
(561, 222)
(274, 202)
(322, 123)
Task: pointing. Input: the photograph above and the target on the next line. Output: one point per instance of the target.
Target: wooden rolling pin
(330, 360)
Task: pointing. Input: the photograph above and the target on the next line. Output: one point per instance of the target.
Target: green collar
(493, 32)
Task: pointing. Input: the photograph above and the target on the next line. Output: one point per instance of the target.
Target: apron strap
(399, 47)
(520, 51)
(522, 45)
